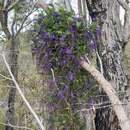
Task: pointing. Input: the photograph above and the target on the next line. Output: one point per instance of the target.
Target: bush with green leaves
(60, 39)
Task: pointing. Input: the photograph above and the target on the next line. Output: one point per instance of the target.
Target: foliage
(59, 41)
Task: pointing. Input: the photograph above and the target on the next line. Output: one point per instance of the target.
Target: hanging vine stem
(100, 62)
(53, 76)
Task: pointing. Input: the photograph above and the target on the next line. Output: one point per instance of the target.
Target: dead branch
(110, 91)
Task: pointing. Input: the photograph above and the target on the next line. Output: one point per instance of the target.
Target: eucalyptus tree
(80, 7)
(64, 3)
(114, 37)
(13, 18)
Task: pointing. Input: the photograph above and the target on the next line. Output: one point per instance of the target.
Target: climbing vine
(59, 40)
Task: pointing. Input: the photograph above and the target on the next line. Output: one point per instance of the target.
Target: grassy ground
(31, 85)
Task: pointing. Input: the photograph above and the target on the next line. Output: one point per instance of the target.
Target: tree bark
(84, 9)
(12, 48)
(80, 12)
(106, 14)
(12, 56)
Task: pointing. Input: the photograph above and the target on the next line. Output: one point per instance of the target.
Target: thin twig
(14, 126)
(24, 20)
(5, 77)
(13, 5)
(100, 61)
(53, 76)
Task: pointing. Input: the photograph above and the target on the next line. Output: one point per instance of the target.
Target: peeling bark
(106, 14)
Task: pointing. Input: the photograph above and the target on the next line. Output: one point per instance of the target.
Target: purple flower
(47, 66)
(73, 28)
(65, 88)
(50, 107)
(45, 36)
(88, 35)
(34, 20)
(63, 62)
(61, 94)
(62, 38)
(68, 51)
(53, 37)
(75, 61)
(62, 51)
(49, 50)
(77, 18)
(56, 14)
(71, 76)
(51, 83)
(93, 45)
(93, 17)
(46, 57)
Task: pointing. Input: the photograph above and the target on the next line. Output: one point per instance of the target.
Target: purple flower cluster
(70, 76)
(58, 45)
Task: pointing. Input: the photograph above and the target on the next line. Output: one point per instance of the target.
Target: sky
(74, 4)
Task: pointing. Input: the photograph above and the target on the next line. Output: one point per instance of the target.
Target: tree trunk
(106, 14)
(84, 9)
(12, 57)
(68, 5)
(80, 7)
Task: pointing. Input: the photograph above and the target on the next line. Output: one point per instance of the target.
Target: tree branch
(124, 5)
(22, 95)
(13, 5)
(23, 22)
(126, 29)
(100, 62)
(42, 4)
(3, 21)
(110, 91)
(5, 3)
(5, 77)
(13, 24)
